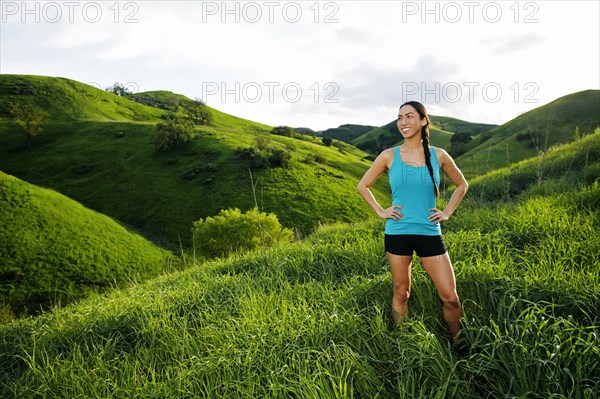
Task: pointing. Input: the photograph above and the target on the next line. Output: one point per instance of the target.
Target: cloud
(513, 43)
(370, 84)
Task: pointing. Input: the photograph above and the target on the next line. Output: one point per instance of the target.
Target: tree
(198, 112)
(174, 131)
(118, 89)
(327, 141)
(29, 119)
(458, 144)
(460, 138)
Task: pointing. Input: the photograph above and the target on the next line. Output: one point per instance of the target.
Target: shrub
(314, 158)
(233, 231)
(256, 157)
(282, 131)
(265, 157)
(280, 158)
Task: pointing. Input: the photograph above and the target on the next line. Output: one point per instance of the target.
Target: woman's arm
(380, 165)
(454, 173)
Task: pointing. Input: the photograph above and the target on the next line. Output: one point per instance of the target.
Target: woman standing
(413, 221)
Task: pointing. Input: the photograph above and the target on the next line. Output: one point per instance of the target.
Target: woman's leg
(400, 266)
(441, 272)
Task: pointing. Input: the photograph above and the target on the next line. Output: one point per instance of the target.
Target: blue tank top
(412, 188)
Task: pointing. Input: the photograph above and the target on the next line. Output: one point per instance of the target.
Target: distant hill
(533, 132)
(454, 125)
(53, 250)
(346, 133)
(442, 128)
(108, 164)
(388, 136)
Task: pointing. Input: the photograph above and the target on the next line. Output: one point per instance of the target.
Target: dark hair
(425, 139)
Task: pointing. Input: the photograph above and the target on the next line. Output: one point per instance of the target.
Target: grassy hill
(533, 132)
(454, 125)
(563, 165)
(312, 319)
(54, 250)
(106, 161)
(68, 100)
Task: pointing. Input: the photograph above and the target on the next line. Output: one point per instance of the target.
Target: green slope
(533, 132)
(454, 125)
(53, 250)
(568, 165)
(66, 99)
(112, 168)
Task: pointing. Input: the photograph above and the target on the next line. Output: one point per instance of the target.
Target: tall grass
(312, 320)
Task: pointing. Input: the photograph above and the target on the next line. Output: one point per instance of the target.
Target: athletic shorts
(405, 244)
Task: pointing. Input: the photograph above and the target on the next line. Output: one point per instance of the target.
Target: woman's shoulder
(388, 153)
(441, 154)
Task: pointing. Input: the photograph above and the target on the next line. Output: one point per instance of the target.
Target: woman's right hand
(392, 213)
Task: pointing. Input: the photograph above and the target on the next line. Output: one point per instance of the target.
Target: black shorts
(405, 244)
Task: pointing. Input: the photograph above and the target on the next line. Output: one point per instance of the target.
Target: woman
(413, 221)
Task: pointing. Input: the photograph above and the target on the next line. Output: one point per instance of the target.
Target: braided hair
(425, 140)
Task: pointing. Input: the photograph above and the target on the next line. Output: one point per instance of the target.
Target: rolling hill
(54, 250)
(533, 132)
(105, 160)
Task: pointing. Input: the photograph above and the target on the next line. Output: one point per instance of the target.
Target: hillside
(66, 99)
(53, 250)
(110, 166)
(533, 132)
(454, 125)
(563, 165)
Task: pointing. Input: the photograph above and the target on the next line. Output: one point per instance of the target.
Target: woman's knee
(451, 300)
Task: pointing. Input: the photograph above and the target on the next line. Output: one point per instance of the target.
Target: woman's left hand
(437, 216)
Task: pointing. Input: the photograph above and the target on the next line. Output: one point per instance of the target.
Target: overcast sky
(317, 64)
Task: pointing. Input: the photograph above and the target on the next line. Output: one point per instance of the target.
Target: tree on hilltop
(118, 89)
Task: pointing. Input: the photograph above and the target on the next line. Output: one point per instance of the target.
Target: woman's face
(409, 121)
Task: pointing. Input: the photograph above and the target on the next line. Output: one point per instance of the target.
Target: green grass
(55, 251)
(533, 132)
(311, 319)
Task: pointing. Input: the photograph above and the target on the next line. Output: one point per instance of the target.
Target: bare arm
(454, 173)
(380, 165)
